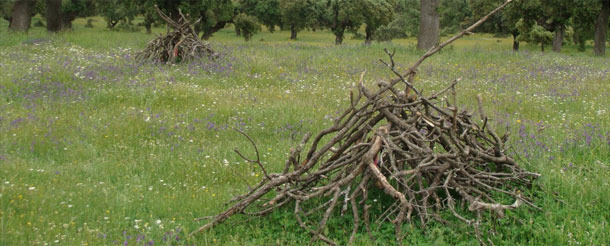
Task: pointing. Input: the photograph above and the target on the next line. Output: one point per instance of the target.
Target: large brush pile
(421, 155)
(179, 45)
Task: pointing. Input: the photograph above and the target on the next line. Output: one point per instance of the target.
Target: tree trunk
(429, 24)
(21, 15)
(237, 31)
(368, 36)
(558, 39)
(54, 16)
(66, 23)
(207, 33)
(581, 41)
(148, 22)
(542, 47)
(293, 33)
(515, 42)
(339, 36)
(148, 26)
(601, 29)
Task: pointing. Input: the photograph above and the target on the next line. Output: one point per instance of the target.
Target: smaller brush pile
(179, 45)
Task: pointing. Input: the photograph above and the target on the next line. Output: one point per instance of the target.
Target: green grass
(97, 150)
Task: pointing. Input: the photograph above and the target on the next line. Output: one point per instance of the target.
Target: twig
(258, 159)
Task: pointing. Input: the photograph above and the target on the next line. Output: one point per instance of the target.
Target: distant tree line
(543, 22)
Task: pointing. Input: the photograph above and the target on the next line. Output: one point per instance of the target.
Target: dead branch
(423, 156)
(181, 44)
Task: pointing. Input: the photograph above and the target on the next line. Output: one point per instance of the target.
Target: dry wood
(423, 156)
(180, 44)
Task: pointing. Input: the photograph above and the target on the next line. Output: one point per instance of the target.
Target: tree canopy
(526, 20)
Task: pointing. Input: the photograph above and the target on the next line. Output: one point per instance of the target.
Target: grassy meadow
(96, 149)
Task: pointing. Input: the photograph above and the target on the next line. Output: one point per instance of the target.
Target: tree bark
(429, 24)
(601, 29)
(515, 41)
(339, 36)
(21, 15)
(581, 41)
(208, 33)
(368, 36)
(67, 23)
(148, 22)
(558, 39)
(293, 33)
(237, 31)
(148, 26)
(54, 16)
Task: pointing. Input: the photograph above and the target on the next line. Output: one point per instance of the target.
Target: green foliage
(268, 12)
(407, 17)
(125, 26)
(342, 15)
(569, 35)
(584, 15)
(495, 24)
(6, 8)
(214, 14)
(78, 8)
(247, 25)
(453, 14)
(558, 12)
(146, 9)
(41, 8)
(118, 11)
(72, 9)
(391, 31)
(300, 14)
(534, 34)
(383, 19)
(375, 13)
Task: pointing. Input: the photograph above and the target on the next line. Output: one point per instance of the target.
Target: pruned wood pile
(420, 154)
(180, 44)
